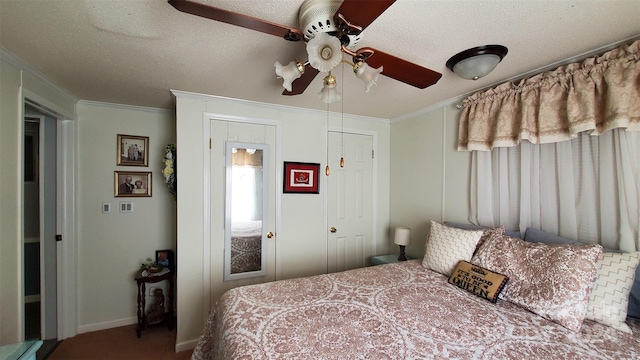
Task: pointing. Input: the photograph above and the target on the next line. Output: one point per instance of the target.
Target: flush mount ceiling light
(472, 64)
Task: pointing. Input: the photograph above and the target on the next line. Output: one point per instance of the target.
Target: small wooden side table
(152, 278)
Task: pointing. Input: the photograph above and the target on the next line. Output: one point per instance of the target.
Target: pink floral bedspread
(395, 311)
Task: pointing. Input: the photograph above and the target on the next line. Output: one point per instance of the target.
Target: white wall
(429, 177)
(111, 247)
(301, 235)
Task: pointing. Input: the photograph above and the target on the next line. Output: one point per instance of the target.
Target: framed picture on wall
(165, 259)
(132, 183)
(133, 150)
(301, 178)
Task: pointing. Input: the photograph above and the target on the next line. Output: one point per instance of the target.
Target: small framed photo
(132, 150)
(301, 178)
(132, 183)
(165, 258)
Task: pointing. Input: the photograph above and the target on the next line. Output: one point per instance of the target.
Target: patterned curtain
(599, 94)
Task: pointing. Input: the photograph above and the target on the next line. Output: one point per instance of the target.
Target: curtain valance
(599, 94)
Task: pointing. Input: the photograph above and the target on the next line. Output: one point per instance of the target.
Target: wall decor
(132, 183)
(301, 178)
(132, 150)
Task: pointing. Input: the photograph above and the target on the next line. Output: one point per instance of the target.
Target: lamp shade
(402, 236)
(289, 73)
(324, 51)
(367, 74)
(329, 93)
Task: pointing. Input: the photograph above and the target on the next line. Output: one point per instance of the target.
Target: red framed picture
(301, 178)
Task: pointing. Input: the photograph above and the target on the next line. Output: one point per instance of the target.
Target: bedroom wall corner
(429, 177)
(111, 247)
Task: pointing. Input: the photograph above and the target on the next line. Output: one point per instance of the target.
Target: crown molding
(125, 107)
(18, 63)
(281, 108)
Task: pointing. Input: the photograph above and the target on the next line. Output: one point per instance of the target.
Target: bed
(404, 310)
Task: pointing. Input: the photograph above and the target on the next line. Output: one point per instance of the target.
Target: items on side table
(157, 312)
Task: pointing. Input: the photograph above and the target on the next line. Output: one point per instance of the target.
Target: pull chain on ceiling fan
(331, 27)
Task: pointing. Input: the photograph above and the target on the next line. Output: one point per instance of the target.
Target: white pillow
(610, 294)
(446, 246)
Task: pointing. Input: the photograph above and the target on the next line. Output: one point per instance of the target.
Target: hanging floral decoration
(169, 171)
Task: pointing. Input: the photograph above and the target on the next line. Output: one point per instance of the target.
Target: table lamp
(402, 238)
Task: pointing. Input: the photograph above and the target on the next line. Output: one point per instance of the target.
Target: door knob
(269, 234)
(333, 229)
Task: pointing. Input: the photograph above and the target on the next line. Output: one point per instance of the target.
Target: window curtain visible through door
(597, 95)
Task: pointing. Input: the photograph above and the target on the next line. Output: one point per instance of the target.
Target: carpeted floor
(156, 343)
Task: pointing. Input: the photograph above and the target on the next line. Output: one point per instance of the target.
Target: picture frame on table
(132, 183)
(165, 258)
(301, 178)
(133, 150)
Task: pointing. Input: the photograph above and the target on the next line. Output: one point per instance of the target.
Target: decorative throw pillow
(478, 280)
(610, 294)
(553, 281)
(446, 246)
(535, 235)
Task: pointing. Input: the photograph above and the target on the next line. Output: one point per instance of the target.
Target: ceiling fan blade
(400, 69)
(241, 20)
(300, 85)
(363, 12)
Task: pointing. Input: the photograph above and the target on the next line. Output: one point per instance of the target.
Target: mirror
(245, 211)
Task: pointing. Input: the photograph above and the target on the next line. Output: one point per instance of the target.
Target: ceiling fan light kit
(331, 27)
(324, 52)
(329, 93)
(474, 63)
(367, 74)
(289, 73)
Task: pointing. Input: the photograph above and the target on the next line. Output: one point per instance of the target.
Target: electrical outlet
(151, 290)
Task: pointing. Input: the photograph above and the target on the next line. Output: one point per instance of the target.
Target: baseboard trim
(107, 325)
(186, 345)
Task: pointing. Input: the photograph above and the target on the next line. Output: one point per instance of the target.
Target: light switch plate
(106, 208)
(126, 206)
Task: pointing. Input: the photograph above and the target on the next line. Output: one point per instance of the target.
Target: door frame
(374, 173)
(207, 117)
(66, 216)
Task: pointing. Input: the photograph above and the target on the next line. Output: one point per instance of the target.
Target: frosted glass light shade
(476, 67)
(474, 63)
(402, 236)
(367, 74)
(289, 73)
(324, 51)
(329, 93)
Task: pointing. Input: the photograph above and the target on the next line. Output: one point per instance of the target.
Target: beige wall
(301, 234)
(429, 177)
(111, 247)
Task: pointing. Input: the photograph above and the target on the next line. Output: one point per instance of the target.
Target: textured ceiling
(134, 51)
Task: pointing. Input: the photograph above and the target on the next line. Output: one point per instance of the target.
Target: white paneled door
(350, 201)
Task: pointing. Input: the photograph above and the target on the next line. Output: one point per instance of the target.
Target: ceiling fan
(329, 20)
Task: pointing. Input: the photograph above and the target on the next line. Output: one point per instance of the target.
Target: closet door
(350, 201)
(223, 131)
